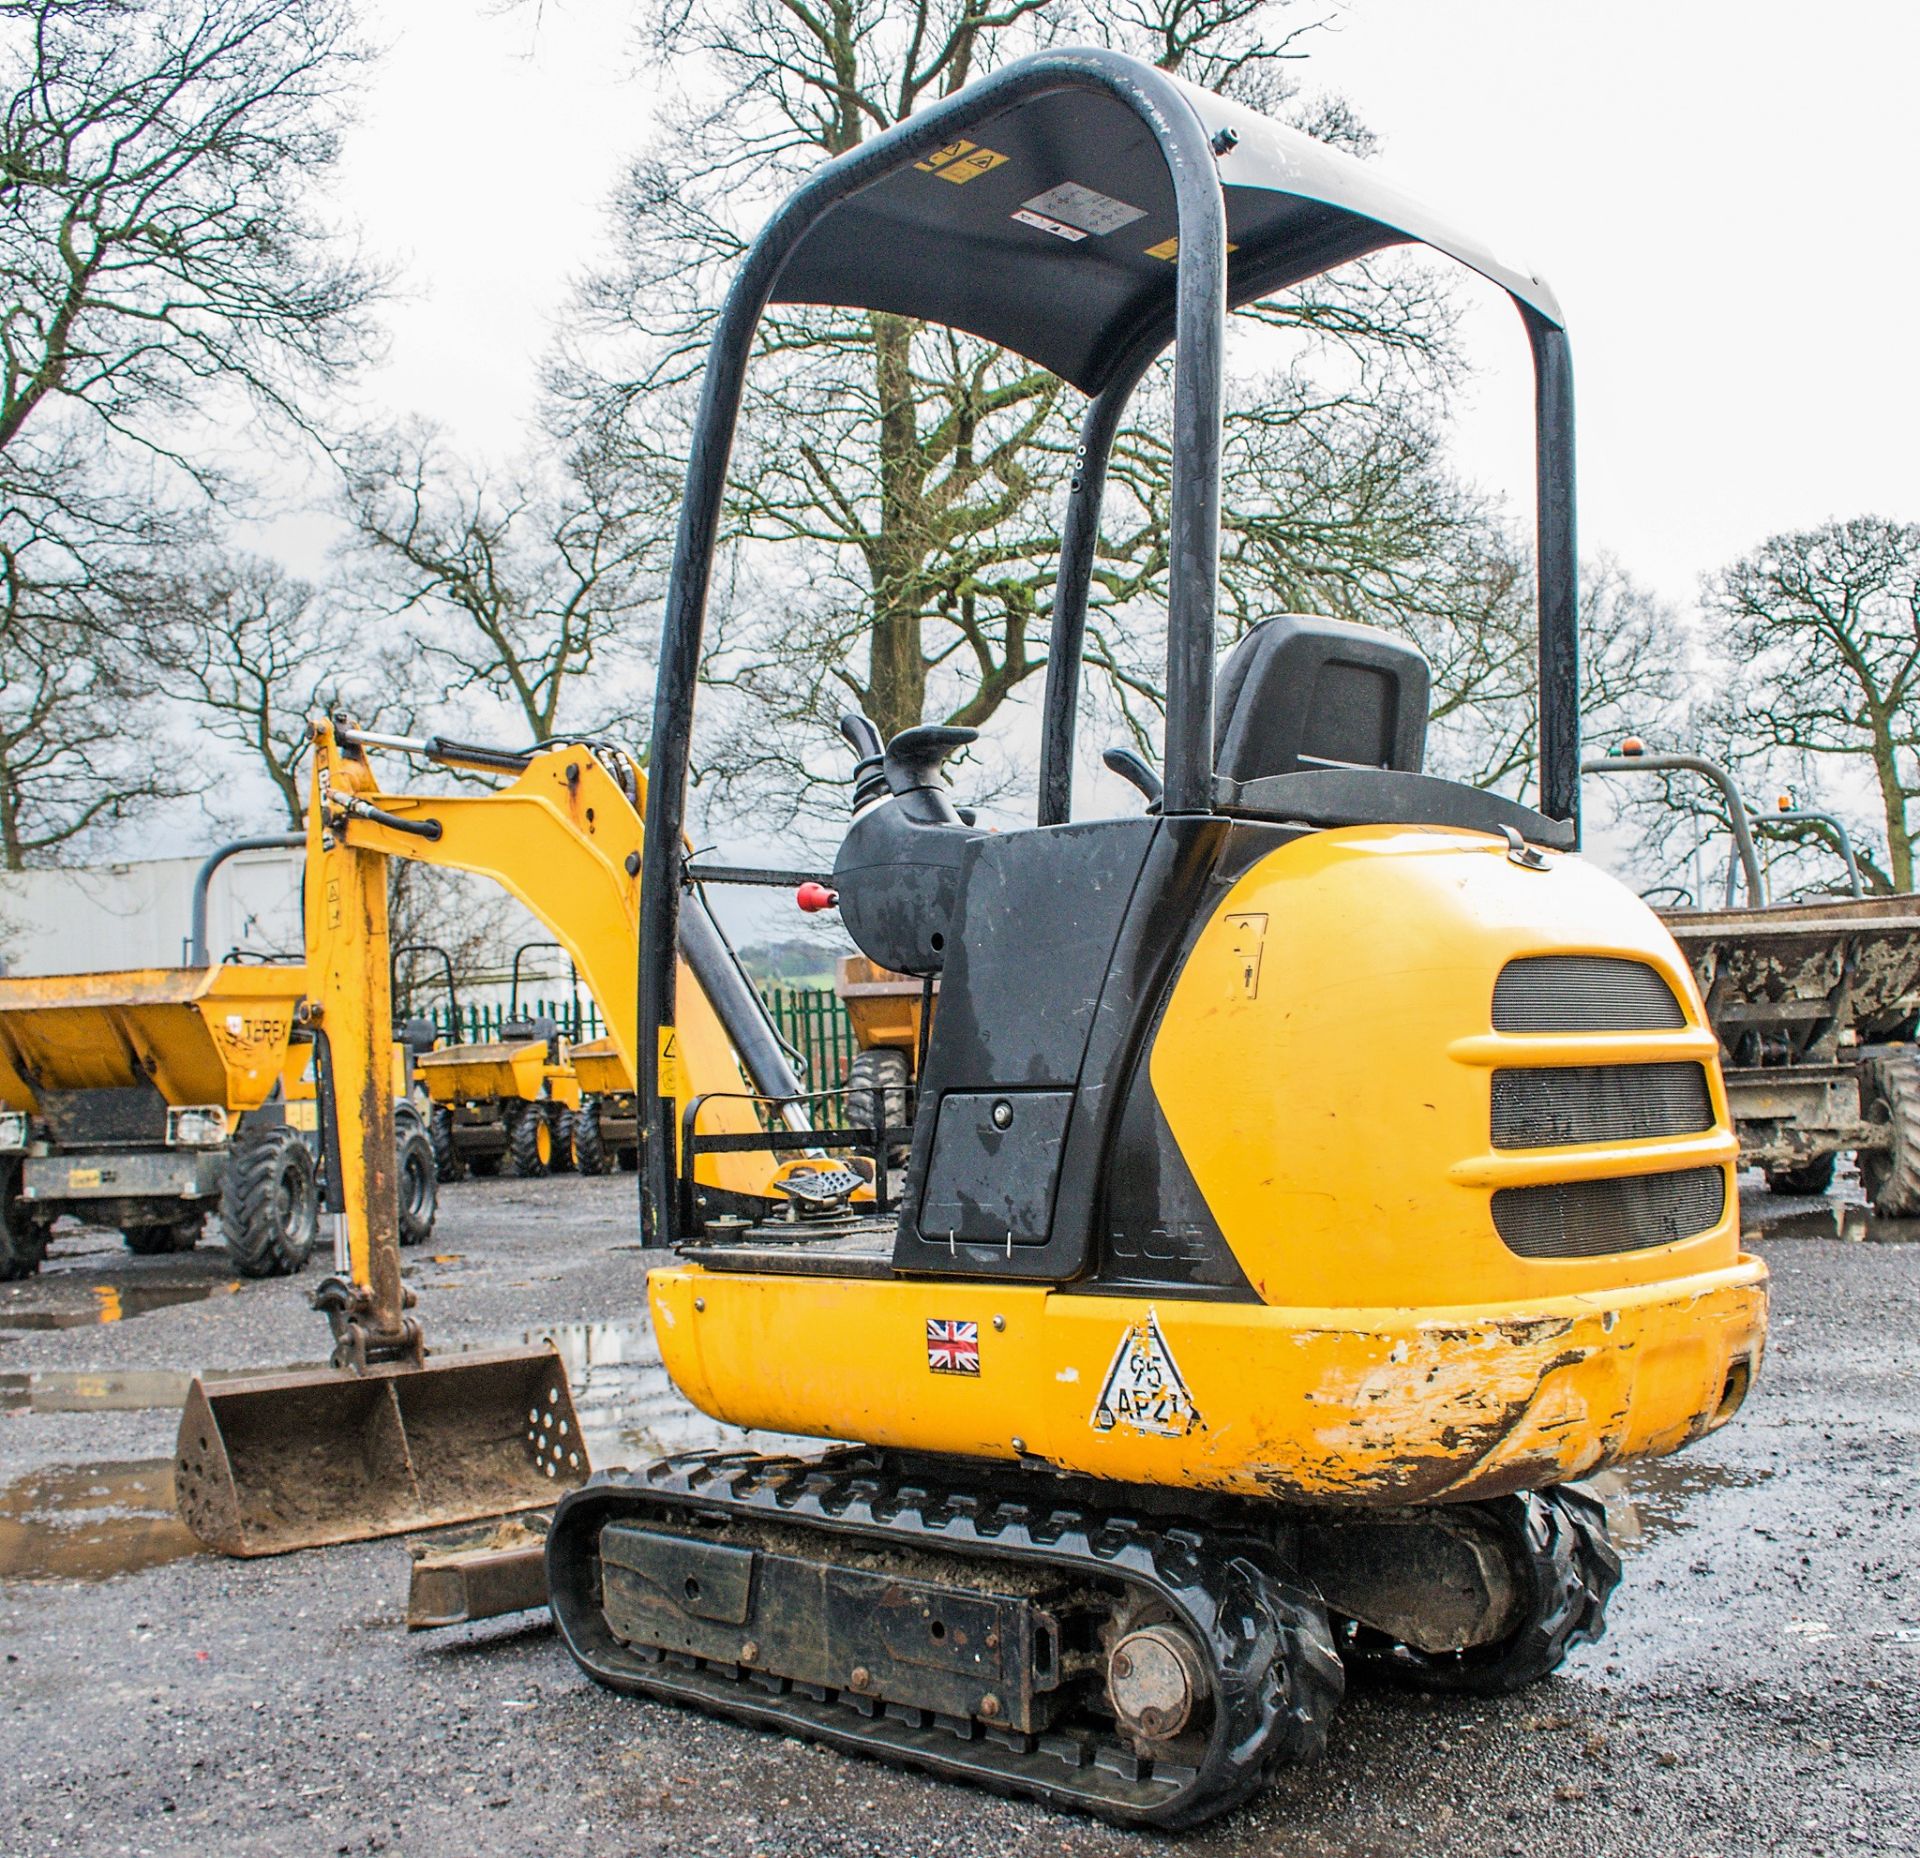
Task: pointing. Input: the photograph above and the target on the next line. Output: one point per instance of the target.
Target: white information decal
(1084, 208)
(1143, 1391)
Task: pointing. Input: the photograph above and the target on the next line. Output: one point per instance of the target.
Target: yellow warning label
(670, 1081)
(959, 162)
(1169, 249)
(1249, 939)
(83, 1177)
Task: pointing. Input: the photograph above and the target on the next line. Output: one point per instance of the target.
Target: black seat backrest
(418, 1035)
(1301, 692)
(529, 1026)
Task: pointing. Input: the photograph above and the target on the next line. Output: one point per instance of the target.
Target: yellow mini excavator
(1313, 1176)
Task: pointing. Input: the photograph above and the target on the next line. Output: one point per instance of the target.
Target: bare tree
(527, 591)
(158, 215)
(1822, 644)
(163, 257)
(253, 653)
(72, 765)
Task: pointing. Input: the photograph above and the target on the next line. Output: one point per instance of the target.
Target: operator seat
(1301, 692)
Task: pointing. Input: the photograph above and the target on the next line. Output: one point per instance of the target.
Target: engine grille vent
(1562, 1104)
(1584, 1219)
(1583, 993)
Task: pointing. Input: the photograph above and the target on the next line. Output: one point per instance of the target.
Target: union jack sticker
(953, 1348)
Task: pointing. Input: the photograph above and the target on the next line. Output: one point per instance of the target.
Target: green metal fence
(814, 1021)
(479, 1023)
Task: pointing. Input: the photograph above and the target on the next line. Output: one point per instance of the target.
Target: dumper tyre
(1891, 1176)
(877, 1091)
(23, 1239)
(530, 1142)
(561, 1119)
(270, 1204)
(589, 1143)
(1568, 1567)
(448, 1162)
(416, 1183)
(1810, 1177)
(160, 1236)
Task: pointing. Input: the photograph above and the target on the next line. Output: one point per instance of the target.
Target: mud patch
(90, 1522)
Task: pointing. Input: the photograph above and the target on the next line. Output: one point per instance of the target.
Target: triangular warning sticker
(1143, 1391)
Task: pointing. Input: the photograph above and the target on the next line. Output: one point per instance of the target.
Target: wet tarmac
(111, 1303)
(1758, 1689)
(91, 1522)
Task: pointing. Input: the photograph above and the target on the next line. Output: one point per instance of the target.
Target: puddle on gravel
(1647, 1501)
(112, 1303)
(629, 1410)
(90, 1522)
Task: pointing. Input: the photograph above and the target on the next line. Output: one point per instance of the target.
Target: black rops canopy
(1051, 227)
(1082, 209)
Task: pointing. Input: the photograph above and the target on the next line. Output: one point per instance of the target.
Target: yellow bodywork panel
(1324, 1065)
(1349, 1405)
(215, 1035)
(1326, 1068)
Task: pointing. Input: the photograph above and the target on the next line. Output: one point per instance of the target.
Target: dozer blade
(290, 1461)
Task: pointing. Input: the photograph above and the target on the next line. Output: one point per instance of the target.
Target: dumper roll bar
(1640, 761)
(1811, 816)
(1311, 209)
(197, 956)
(409, 949)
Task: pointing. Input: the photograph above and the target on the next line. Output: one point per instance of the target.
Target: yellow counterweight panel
(1326, 1058)
(1344, 1404)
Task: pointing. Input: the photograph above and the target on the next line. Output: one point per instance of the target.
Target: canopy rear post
(1558, 569)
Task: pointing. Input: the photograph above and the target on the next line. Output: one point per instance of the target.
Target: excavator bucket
(286, 1461)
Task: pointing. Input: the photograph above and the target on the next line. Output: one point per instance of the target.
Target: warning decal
(670, 1082)
(1143, 1390)
(1054, 226)
(959, 162)
(1169, 249)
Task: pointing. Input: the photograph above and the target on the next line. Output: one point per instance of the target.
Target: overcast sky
(1720, 193)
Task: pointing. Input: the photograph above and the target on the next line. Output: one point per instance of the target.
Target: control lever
(915, 756)
(1131, 766)
(869, 783)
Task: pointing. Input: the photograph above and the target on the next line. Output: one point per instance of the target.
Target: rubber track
(1275, 1674)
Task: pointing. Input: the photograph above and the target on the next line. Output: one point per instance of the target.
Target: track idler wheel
(1565, 1568)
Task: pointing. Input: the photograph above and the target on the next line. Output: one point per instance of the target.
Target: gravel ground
(1756, 1692)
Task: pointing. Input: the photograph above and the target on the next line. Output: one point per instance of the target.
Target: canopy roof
(1049, 228)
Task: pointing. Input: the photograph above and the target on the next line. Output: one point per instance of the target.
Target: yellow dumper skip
(216, 1036)
(494, 1068)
